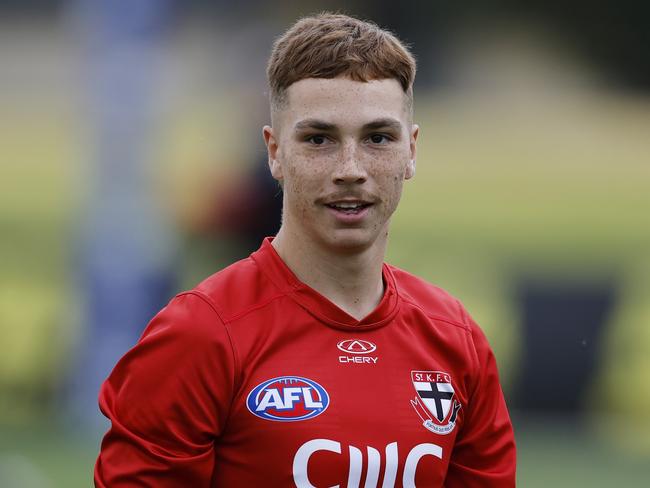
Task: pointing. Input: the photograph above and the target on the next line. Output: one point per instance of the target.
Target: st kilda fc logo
(435, 402)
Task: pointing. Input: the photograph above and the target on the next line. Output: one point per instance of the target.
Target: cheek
(391, 166)
(390, 173)
(396, 191)
(306, 168)
(304, 179)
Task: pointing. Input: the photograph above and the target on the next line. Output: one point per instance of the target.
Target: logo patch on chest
(287, 399)
(357, 351)
(436, 403)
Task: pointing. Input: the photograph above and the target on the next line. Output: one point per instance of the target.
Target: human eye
(380, 139)
(317, 139)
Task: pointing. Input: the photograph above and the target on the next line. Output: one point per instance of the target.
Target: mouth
(349, 207)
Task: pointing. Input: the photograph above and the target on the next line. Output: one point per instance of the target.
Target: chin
(350, 240)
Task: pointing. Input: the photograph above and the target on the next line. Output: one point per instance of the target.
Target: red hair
(332, 45)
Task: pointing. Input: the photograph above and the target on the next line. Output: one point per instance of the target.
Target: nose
(349, 168)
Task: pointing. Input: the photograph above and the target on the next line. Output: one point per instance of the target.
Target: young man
(313, 363)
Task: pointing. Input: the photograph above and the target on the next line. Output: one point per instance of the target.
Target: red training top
(254, 379)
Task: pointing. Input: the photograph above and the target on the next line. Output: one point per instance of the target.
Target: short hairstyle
(331, 45)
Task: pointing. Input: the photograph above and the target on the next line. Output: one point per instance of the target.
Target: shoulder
(444, 310)
(431, 300)
(188, 321)
(237, 289)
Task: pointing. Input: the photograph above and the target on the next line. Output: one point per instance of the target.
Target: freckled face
(342, 151)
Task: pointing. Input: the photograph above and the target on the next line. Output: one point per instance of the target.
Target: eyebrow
(383, 123)
(315, 124)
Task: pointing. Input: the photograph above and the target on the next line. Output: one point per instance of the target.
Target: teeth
(347, 205)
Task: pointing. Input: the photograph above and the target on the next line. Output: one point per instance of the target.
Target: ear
(272, 149)
(410, 167)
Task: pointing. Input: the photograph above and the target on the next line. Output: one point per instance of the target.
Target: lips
(349, 207)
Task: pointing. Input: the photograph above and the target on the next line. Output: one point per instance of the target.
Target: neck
(353, 281)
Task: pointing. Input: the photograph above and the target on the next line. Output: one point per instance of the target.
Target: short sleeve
(168, 400)
(484, 454)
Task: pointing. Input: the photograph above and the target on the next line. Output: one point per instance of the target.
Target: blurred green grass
(44, 456)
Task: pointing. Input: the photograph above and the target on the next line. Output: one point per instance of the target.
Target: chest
(318, 406)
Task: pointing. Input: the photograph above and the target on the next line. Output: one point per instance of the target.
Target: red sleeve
(168, 399)
(484, 454)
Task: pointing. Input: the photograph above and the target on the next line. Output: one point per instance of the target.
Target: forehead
(345, 101)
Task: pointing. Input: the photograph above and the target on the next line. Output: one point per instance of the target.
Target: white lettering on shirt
(357, 360)
(271, 398)
(301, 461)
(309, 401)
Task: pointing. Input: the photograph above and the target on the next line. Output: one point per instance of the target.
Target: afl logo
(287, 399)
(356, 346)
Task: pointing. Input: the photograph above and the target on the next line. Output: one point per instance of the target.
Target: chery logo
(356, 346)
